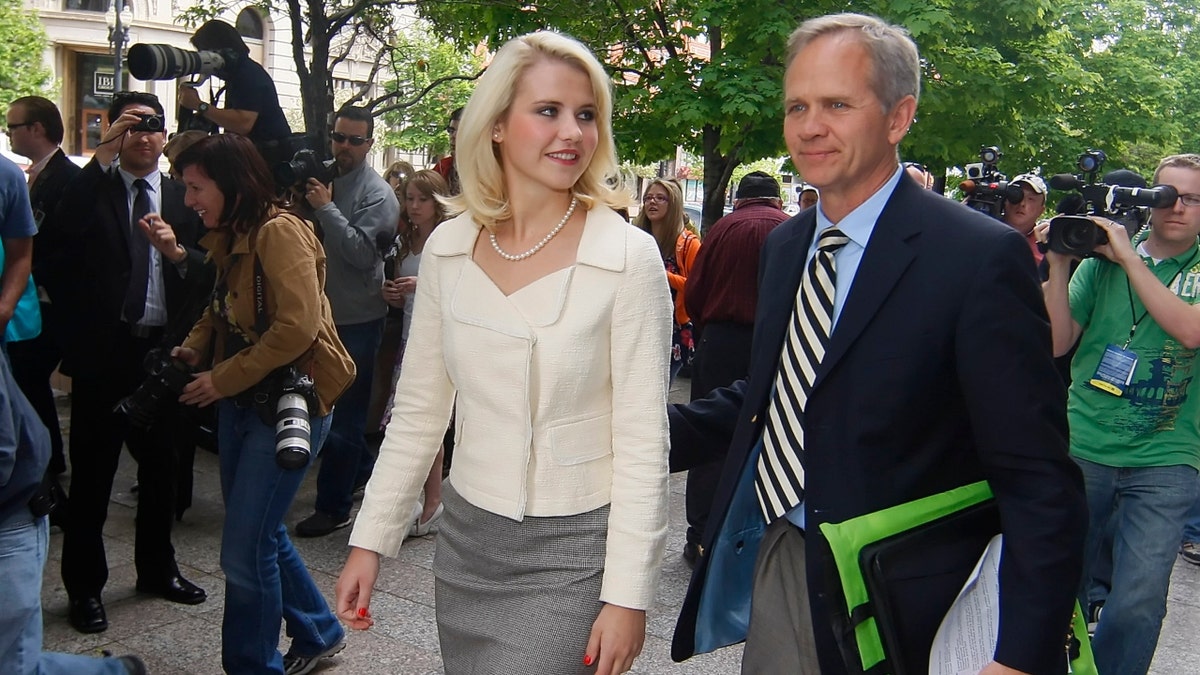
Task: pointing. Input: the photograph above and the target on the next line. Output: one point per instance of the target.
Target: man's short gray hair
(896, 65)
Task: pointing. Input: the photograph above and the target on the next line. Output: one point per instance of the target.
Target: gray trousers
(780, 638)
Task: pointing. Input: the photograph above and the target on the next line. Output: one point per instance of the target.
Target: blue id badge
(1115, 371)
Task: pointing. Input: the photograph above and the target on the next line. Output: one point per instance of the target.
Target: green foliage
(425, 60)
(22, 41)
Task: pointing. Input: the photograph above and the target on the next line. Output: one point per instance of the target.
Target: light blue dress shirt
(858, 226)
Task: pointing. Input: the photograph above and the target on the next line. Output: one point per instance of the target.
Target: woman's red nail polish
(587, 660)
(362, 612)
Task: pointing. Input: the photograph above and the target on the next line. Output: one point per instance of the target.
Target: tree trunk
(718, 169)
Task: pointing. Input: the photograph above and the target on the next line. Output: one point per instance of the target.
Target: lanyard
(1133, 313)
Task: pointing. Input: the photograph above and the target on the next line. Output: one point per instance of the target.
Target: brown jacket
(301, 325)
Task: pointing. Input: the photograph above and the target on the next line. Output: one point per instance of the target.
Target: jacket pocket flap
(581, 441)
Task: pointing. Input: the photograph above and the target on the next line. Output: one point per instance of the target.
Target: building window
(86, 5)
(249, 24)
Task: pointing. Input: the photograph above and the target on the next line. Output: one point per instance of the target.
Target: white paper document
(966, 640)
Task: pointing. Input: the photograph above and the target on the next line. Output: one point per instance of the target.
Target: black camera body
(303, 165)
(1078, 236)
(154, 123)
(167, 378)
(987, 189)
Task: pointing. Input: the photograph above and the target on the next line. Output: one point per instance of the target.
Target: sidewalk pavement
(178, 639)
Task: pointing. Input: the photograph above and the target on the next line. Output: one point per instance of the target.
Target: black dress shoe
(87, 615)
(175, 589)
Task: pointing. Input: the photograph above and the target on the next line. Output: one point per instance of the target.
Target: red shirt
(723, 284)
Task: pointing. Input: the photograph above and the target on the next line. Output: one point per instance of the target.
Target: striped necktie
(779, 480)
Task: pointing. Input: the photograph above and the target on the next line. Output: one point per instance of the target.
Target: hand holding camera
(317, 193)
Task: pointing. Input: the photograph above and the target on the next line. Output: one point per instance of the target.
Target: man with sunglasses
(354, 212)
(1133, 409)
(139, 269)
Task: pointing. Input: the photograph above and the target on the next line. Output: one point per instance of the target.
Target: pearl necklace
(538, 246)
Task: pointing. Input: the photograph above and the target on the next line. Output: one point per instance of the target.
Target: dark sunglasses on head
(339, 137)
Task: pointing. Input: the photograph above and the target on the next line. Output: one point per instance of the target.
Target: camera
(303, 165)
(167, 378)
(150, 123)
(987, 189)
(1078, 236)
(296, 395)
(166, 62)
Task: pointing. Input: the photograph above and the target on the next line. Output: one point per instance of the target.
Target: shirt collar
(37, 168)
(154, 178)
(860, 223)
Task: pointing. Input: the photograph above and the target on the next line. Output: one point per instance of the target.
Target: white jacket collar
(602, 245)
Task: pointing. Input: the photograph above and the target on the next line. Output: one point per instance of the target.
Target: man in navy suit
(140, 269)
(937, 373)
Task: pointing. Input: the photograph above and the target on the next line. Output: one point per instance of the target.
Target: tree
(22, 42)
(433, 74)
(707, 74)
(324, 33)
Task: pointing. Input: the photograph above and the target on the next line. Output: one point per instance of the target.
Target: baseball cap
(1033, 181)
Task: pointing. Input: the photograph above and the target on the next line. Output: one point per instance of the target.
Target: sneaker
(320, 524)
(294, 664)
(1093, 616)
(1190, 552)
(133, 665)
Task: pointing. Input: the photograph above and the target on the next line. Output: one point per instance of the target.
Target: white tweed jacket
(561, 397)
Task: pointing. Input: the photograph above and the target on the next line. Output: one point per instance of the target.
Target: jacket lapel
(888, 254)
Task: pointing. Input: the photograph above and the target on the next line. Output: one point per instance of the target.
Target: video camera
(1076, 235)
(305, 164)
(987, 189)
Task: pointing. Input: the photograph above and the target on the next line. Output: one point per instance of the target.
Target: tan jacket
(561, 397)
(301, 324)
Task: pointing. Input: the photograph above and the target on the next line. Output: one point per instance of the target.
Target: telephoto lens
(293, 444)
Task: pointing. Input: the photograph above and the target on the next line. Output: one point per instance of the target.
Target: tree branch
(419, 95)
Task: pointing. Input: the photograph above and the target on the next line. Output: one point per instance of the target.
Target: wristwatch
(202, 108)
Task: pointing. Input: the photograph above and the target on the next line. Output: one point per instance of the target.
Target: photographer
(1135, 427)
(127, 225)
(1023, 216)
(354, 212)
(252, 104)
(267, 313)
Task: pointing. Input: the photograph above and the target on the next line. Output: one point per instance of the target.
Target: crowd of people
(540, 331)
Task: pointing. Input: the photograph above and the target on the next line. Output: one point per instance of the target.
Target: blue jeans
(346, 459)
(1146, 507)
(23, 543)
(266, 582)
(1191, 524)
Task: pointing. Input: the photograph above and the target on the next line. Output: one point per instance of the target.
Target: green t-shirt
(1157, 421)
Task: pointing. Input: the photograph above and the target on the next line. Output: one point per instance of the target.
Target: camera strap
(1133, 311)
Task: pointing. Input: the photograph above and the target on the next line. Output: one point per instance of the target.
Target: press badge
(1115, 371)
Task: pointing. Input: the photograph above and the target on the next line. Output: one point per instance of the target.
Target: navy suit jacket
(939, 373)
(94, 217)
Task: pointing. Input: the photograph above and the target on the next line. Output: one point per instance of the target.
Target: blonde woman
(547, 318)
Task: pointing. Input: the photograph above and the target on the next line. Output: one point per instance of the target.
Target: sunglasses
(14, 127)
(662, 199)
(339, 137)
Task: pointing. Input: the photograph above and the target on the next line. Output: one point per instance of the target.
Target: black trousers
(722, 358)
(97, 435)
(33, 362)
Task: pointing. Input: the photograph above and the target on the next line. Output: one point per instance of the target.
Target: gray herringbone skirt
(516, 597)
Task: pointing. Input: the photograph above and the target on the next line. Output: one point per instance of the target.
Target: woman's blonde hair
(478, 158)
(674, 220)
(431, 184)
